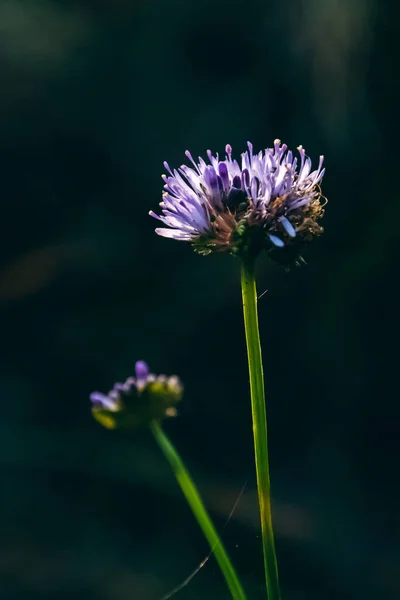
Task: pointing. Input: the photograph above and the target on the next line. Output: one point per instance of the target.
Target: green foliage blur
(95, 95)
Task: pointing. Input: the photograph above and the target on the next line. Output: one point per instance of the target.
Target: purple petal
(166, 165)
(276, 241)
(290, 230)
(102, 401)
(174, 234)
(254, 188)
(190, 157)
(237, 182)
(153, 214)
(142, 371)
(223, 172)
(211, 179)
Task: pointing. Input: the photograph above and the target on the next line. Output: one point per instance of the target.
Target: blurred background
(95, 95)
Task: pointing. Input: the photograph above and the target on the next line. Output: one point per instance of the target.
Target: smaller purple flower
(138, 401)
(270, 200)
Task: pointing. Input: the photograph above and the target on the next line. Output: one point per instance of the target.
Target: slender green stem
(194, 500)
(249, 296)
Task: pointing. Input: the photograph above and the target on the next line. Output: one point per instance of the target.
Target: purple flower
(271, 200)
(138, 401)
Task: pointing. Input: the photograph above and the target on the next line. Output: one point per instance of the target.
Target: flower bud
(139, 401)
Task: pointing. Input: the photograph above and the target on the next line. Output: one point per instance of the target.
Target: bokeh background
(94, 96)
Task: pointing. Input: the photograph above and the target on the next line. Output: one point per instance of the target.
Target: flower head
(138, 401)
(271, 200)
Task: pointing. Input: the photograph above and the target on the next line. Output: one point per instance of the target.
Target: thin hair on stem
(188, 579)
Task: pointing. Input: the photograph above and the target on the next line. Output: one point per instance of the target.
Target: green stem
(194, 500)
(259, 415)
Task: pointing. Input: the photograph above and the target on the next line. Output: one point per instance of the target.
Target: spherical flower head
(139, 401)
(271, 200)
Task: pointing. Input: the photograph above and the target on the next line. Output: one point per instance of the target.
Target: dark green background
(94, 96)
